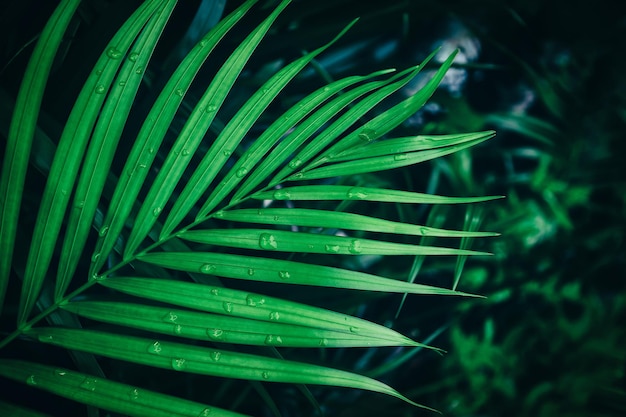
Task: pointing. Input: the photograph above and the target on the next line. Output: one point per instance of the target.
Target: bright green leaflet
(104, 393)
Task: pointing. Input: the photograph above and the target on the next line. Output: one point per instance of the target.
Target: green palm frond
(138, 253)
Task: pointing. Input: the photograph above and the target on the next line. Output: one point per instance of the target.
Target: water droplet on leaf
(356, 193)
(157, 211)
(216, 355)
(99, 89)
(268, 241)
(103, 231)
(228, 307)
(284, 275)
(155, 348)
(273, 340)
(114, 53)
(241, 172)
(355, 246)
(275, 315)
(178, 364)
(215, 334)
(255, 300)
(208, 268)
(133, 56)
(282, 195)
(400, 157)
(31, 380)
(332, 248)
(89, 384)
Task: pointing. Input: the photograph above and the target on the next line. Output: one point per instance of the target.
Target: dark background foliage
(548, 76)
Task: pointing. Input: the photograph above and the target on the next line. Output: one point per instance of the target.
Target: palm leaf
(120, 266)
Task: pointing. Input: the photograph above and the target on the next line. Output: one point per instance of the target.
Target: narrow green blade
(345, 121)
(206, 361)
(250, 306)
(336, 220)
(223, 328)
(259, 149)
(346, 192)
(287, 272)
(152, 133)
(20, 139)
(192, 134)
(382, 163)
(300, 242)
(404, 145)
(473, 218)
(71, 149)
(230, 138)
(103, 145)
(103, 393)
(301, 133)
(391, 118)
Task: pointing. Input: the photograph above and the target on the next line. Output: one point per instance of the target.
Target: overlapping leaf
(104, 393)
(153, 131)
(238, 330)
(20, 139)
(207, 361)
(253, 268)
(192, 134)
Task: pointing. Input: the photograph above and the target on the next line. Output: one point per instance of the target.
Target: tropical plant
(135, 231)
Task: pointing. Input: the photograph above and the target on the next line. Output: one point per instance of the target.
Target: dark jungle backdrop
(548, 76)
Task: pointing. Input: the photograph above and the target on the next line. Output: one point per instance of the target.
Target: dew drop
(151, 150)
(215, 334)
(95, 257)
(133, 394)
(228, 307)
(228, 153)
(80, 204)
(275, 315)
(99, 72)
(155, 348)
(103, 231)
(170, 317)
(354, 329)
(31, 380)
(265, 375)
(205, 412)
(211, 108)
(89, 384)
(207, 268)
(268, 241)
(332, 248)
(122, 83)
(60, 372)
(250, 271)
(295, 163)
(356, 193)
(99, 89)
(266, 90)
(133, 56)
(142, 166)
(216, 355)
(185, 152)
(203, 42)
(282, 195)
(45, 338)
(284, 275)
(178, 329)
(355, 246)
(178, 364)
(255, 300)
(241, 172)
(114, 53)
(276, 218)
(157, 211)
(323, 342)
(367, 135)
(424, 231)
(326, 89)
(179, 92)
(215, 291)
(298, 175)
(139, 70)
(219, 214)
(273, 340)
(400, 157)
